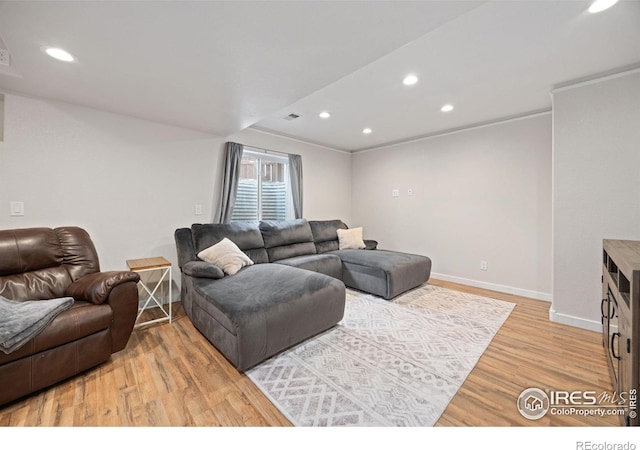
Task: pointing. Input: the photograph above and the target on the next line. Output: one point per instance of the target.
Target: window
(263, 188)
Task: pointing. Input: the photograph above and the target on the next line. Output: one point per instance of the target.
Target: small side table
(143, 265)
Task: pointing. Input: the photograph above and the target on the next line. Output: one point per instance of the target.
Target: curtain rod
(265, 150)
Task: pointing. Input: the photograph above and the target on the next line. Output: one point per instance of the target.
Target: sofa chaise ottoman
(264, 309)
(383, 273)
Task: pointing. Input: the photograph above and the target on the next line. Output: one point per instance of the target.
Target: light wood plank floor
(169, 375)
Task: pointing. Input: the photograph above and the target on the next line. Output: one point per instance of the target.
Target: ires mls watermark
(534, 403)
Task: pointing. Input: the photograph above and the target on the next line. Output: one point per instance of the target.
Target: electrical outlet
(395, 193)
(484, 265)
(5, 57)
(197, 210)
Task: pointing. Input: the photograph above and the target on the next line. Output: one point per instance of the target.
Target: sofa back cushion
(39, 263)
(287, 238)
(325, 235)
(246, 235)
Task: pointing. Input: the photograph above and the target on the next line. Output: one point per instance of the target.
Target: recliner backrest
(287, 238)
(325, 235)
(246, 235)
(39, 263)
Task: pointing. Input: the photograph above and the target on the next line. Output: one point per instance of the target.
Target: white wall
(1, 117)
(131, 182)
(479, 194)
(596, 180)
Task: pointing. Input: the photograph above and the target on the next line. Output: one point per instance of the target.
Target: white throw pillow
(351, 238)
(226, 255)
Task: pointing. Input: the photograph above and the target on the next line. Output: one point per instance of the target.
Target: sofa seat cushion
(382, 272)
(82, 319)
(264, 309)
(327, 264)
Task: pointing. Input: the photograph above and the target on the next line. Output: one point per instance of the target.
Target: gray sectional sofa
(294, 290)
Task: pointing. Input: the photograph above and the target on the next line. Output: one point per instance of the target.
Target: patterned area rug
(387, 363)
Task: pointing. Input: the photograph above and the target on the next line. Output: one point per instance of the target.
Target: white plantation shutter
(246, 206)
(263, 188)
(274, 200)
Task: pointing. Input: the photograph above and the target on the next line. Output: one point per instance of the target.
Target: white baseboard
(554, 316)
(574, 321)
(494, 287)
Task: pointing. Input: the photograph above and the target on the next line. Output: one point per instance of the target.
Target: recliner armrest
(370, 244)
(96, 287)
(202, 269)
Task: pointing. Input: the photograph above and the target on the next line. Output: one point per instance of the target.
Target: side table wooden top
(147, 263)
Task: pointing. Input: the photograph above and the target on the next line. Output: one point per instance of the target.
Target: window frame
(262, 157)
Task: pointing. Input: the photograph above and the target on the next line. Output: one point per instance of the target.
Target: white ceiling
(222, 66)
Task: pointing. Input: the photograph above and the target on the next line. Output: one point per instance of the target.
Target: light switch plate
(17, 209)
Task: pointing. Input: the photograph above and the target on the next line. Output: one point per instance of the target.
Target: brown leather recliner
(45, 263)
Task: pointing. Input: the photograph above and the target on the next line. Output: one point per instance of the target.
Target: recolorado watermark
(535, 403)
(589, 445)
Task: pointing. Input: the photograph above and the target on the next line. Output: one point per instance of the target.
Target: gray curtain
(230, 177)
(295, 176)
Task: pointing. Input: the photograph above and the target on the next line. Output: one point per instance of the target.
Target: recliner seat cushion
(327, 264)
(82, 319)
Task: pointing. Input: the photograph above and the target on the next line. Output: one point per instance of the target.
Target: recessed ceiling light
(410, 80)
(59, 54)
(447, 108)
(366, 131)
(601, 5)
(325, 114)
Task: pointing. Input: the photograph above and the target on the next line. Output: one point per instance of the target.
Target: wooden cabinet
(620, 309)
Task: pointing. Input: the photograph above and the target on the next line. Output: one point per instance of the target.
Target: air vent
(291, 116)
